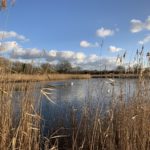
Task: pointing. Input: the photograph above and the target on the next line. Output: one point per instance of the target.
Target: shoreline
(40, 78)
(121, 76)
(7, 78)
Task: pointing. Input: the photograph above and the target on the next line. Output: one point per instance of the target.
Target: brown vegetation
(123, 126)
(43, 77)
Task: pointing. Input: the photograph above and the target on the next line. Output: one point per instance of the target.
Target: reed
(123, 124)
(44, 77)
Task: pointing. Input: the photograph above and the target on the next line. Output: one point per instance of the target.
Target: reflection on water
(76, 94)
(77, 91)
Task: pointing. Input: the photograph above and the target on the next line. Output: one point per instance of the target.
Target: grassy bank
(120, 75)
(124, 125)
(52, 77)
(43, 77)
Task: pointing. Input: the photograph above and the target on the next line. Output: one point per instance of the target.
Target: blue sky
(74, 30)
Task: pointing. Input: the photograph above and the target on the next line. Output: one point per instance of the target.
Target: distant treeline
(32, 68)
(61, 67)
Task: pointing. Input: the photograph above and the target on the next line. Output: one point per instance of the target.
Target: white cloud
(87, 44)
(102, 32)
(79, 57)
(6, 46)
(84, 44)
(17, 52)
(12, 34)
(138, 25)
(93, 58)
(65, 55)
(145, 40)
(36, 52)
(94, 62)
(147, 23)
(52, 55)
(114, 49)
(76, 58)
(31, 53)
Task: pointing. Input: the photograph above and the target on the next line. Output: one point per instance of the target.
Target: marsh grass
(21, 130)
(124, 125)
(44, 77)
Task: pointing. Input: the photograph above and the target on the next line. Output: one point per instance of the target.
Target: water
(97, 90)
(72, 97)
(76, 94)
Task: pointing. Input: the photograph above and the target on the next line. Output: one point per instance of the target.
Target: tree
(22, 68)
(120, 69)
(76, 69)
(4, 64)
(47, 68)
(64, 66)
(137, 68)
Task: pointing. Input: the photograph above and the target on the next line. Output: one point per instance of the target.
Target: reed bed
(18, 129)
(124, 125)
(42, 77)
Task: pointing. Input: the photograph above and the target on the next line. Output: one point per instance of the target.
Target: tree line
(30, 68)
(62, 67)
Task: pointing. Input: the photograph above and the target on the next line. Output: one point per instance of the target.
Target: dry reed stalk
(3, 4)
(44, 77)
(124, 126)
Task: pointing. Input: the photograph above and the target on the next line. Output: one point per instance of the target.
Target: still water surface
(78, 91)
(76, 94)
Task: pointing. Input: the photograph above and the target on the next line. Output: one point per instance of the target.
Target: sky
(88, 33)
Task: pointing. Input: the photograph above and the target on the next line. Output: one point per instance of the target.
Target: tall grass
(124, 125)
(19, 118)
(44, 77)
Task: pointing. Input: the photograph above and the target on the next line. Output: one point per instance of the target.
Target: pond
(66, 106)
(77, 94)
